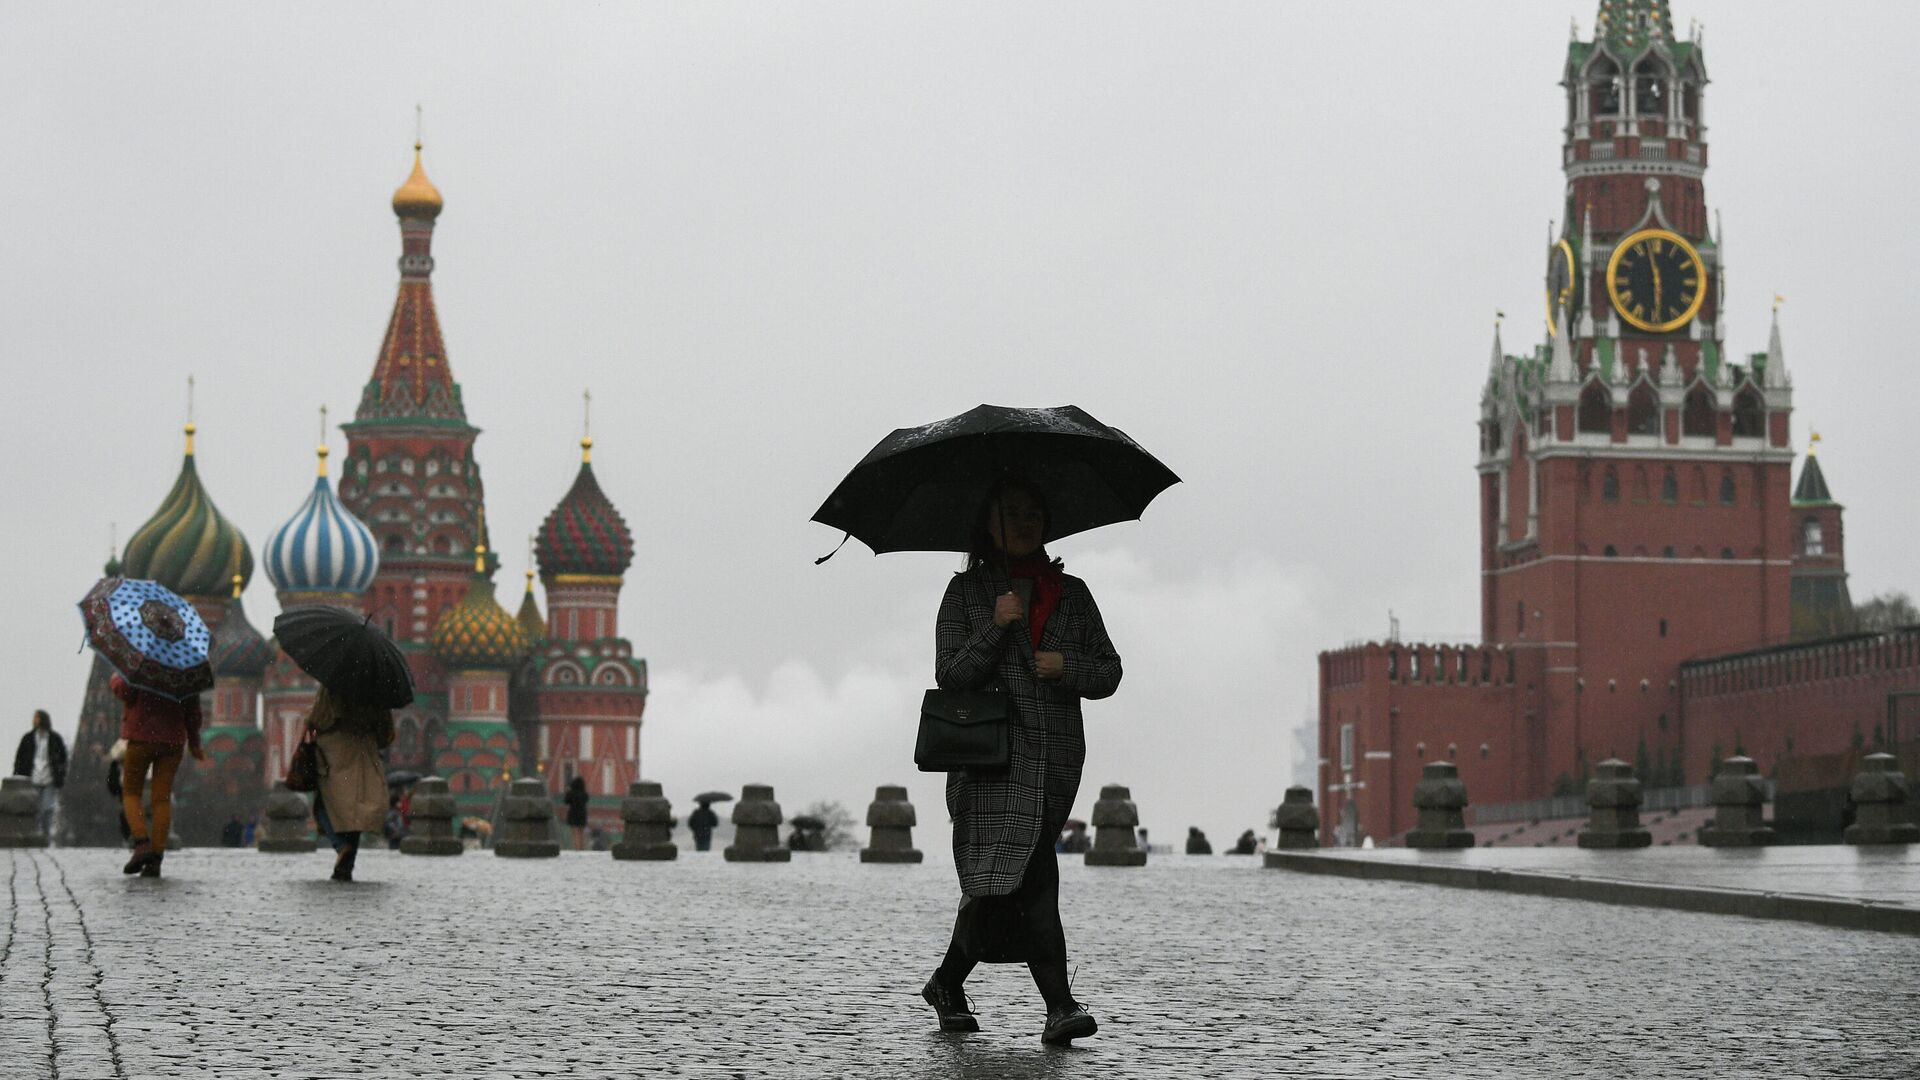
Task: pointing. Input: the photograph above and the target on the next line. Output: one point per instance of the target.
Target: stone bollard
(756, 832)
(1879, 799)
(526, 822)
(285, 826)
(1441, 798)
(20, 813)
(430, 828)
(1739, 793)
(891, 818)
(649, 824)
(1114, 819)
(1613, 801)
(1297, 820)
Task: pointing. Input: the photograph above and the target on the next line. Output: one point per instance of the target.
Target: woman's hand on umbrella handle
(1008, 609)
(1049, 665)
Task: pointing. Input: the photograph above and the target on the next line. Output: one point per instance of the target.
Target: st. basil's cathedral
(403, 538)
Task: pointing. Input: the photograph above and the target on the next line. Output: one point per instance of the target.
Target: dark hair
(578, 782)
(981, 549)
(42, 714)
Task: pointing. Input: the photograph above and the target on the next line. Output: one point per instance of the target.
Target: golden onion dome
(417, 198)
(477, 633)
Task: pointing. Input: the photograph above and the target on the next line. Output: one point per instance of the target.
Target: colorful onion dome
(322, 548)
(529, 616)
(238, 649)
(585, 534)
(417, 198)
(477, 633)
(187, 545)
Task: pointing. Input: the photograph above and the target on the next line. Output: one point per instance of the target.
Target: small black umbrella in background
(712, 797)
(349, 655)
(808, 822)
(920, 488)
(401, 777)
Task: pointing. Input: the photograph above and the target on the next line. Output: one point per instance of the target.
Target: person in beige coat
(353, 780)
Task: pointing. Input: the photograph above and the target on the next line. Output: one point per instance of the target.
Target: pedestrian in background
(576, 800)
(701, 823)
(114, 757)
(1197, 842)
(157, 730)
(352, 797)
(1048, 653)
(42, 756)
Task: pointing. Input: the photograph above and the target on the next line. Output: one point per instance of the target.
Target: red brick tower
(1822, 604)
(585, 691)
(411, 476)
(1634, 481)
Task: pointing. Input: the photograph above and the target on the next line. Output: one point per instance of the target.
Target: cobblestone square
(239, 964)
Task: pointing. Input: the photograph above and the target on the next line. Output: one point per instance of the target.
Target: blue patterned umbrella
(156, 640)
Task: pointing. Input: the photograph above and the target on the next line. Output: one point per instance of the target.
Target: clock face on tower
(1656, 280)
(1559, 284)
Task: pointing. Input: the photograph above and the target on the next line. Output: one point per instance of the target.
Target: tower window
(1643, 411)
(1611, 552)
(1697, 418)
(1663, 628)
(1726, 553)
(1669, 488)
(1812, 538)
(1667, 553)
(1610, 485)
(1749, 415)
(1520, 618)
(1729, 493)
(1596, 409)
(1649, 91)
(1639, 483)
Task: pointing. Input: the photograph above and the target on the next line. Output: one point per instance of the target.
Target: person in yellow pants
(157, 730)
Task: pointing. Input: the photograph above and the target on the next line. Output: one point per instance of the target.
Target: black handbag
(963, 729)
(307, 767)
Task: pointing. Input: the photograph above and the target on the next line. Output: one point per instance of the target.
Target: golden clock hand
(1657, 294)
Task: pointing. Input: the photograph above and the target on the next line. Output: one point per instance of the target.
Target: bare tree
(839, 833)
(1888, 611)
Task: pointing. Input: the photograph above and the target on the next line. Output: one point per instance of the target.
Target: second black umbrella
(350, 656)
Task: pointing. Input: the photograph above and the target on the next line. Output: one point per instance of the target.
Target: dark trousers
(1024, 925)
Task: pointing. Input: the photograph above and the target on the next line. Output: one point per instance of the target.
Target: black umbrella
(401, 777)
(712, 796)
(347, 653)
(921, 488)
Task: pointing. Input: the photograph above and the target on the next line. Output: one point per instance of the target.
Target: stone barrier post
(285, 826)
(430, 828)
(1297, 820)
(1114, 819)
(1441, 798)
(20, 813)
(526, 822)
(1879, 799)
(649, 824)
(1739, 794)
(756, 827)
(891, 818)
(1613, 801)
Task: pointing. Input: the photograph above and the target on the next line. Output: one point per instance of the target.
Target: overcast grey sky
(1268, 240)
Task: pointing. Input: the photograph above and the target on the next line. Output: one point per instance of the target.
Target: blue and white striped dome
(322, 548)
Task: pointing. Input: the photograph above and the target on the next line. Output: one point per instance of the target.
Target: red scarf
(1046, 589)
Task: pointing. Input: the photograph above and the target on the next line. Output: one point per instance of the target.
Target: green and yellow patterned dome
(187, 545)
(477, 633)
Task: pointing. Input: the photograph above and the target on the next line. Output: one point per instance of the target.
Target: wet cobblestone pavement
(246, 965)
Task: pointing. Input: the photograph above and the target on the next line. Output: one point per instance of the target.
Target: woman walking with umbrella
(577, 799)
(363, 676)
(1015, 623)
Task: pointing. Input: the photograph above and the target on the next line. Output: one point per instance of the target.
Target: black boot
(951, 1005)
(343, 862)
(151, 868)
(142, 851)
(1068, 1023)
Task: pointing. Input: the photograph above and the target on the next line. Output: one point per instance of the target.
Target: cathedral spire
(411, 378)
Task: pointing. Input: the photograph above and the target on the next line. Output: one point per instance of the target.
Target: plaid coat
(999, 817)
